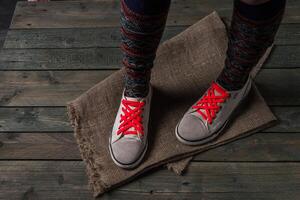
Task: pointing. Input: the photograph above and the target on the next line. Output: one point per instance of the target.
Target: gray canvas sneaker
(128, 142)
(206, 119)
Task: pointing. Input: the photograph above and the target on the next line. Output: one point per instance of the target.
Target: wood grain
(77, 37)
(60, 59)
(54, 119)
(56, 88)
(260, 147)
(2, 37)
(61, 14)
(40, 146)
(46, 88)
(204, 180)
(108, 58)
(288, 34)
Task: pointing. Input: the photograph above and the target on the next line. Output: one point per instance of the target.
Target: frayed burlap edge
(87, 152)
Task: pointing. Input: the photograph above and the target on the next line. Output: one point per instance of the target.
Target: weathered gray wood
(77, 37)
(288, 119)
(54, 119)
(108, 58)
(43, 180)
(91, 14)
(56, 88)
(60, 59)
(284, 57)
(279, 86)
(260, 147)
(46, 88)
(34, 119)
(105, 14)
(41, 146)
(226, 181)
(2, 37)
(288, 34)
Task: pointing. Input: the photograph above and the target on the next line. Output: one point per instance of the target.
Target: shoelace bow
(131, 118)
(210, 103)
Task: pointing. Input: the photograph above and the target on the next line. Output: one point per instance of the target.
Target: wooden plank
(43, 180)
(108, 58)
(260, 147)
(276, 84)
(60, 59)
(2, 37)
(66, 14)
(46, 88)
(76, 37)
(56, 88)
(288, 34)
(226, 181)
(54, 119)
(284, 57)
(41, 146)
(34, 119)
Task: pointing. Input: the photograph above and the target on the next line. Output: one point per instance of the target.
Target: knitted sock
(142, 25)
(252, 31)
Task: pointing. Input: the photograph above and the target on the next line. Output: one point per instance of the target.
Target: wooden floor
(55, 51)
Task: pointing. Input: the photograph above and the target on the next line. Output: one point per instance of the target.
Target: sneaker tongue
(133, 99)
(216, 93)
(132, 107)
(131, 136)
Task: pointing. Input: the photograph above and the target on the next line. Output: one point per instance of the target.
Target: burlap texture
(184, 68)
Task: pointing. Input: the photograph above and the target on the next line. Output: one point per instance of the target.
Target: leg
(142, 25)
(253, 28)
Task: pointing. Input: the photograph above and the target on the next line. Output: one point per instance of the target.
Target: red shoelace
(210, 104)
(131, 118)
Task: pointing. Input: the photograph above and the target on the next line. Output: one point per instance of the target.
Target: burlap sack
(184, 68)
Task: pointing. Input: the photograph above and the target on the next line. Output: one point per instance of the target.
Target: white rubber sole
(202, 141)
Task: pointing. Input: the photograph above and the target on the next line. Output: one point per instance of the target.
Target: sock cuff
(261, 13)
(134, 15)
(148, 7)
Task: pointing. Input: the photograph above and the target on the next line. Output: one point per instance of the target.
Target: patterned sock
(142, 25)
(252, 31)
